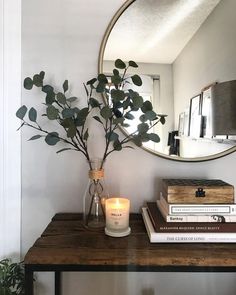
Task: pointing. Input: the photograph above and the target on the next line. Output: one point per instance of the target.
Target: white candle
(117, 214)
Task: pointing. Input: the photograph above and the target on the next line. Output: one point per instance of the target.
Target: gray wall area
(63, 38)
(208, 57)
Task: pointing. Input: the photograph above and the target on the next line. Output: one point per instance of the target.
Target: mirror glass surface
(185, 50)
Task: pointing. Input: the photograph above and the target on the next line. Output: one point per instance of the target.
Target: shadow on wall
(148, 291)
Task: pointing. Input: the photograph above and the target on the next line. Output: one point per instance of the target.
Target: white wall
(63, 37)
(208, 57)
(10, 141)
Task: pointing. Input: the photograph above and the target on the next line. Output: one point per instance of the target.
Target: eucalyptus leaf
(133, 93)
(143, 128)
(100, 87)
(117, 94)
(126, 103)
(116, 72)
(143, 118)
(162, 120)
(137, 101)
(28, 83)
(37, 80)
(133, 64)
(71, 132)
(65, 86)
(112, 136)
(21, 112)
(61, 98)
(102, 78)
(86, 135)
(133, 108)
(91, 82)
(137, 140)
(126, 125)
(117, 104)
(129, 116)
(76, 110)
(67, 113)
(52, 112)
(42, 74)
(81, 117)
(117, 113)
(150, 115)
(35, 137)
(147, 106)
(83, 113)
(52, 138)
(72, 99)
(47, 88)
(106, 112)
(33, 115)
(154, 137)
(116, 79)
(119, 64)
(117, 145)
(118, 120)
(144, 137)
(94, 102)
(137, 80)
(50, 98)
(66, 123)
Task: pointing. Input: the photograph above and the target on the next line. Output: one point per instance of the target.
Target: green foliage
(11, 278)
(21, 112)
(118, 109)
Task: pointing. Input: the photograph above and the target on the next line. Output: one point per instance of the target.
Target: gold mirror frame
(100, 70)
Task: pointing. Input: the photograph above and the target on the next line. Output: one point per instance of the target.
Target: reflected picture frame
(195, 118)
(181, 124)
(206, 110)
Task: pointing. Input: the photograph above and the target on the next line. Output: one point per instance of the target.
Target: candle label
(118, 219)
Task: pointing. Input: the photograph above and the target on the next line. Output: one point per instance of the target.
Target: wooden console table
(66, 246)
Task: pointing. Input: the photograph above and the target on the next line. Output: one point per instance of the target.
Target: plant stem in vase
(95, 196)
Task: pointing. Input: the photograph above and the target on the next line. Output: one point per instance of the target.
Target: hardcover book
(163, 237)
(160, 225)
(195, 218)
(197, 209)
(199, 191)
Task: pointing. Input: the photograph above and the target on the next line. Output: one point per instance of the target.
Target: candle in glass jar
(117, 217)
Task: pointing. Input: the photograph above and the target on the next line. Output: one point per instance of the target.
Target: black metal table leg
(57, 283)
(29, 282)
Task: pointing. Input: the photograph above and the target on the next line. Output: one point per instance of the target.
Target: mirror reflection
(185, 51)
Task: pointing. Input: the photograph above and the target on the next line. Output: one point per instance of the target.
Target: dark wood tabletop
(66, 243)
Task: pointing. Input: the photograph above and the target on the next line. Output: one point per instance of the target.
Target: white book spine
(195, 218)
(200, 218)
(196, 209)
(155, 237)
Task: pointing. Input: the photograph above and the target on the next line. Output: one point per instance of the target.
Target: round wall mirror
(186, 55)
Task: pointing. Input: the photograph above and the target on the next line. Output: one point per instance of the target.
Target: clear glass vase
(95, 197)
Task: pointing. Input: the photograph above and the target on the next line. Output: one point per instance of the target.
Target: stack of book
(192, 211)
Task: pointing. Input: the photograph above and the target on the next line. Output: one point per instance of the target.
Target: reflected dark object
(224, 108)
(173, 143)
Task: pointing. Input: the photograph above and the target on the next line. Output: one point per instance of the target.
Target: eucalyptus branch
(45, 131)
(118, 105)
(59, 104)
(83, 144)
